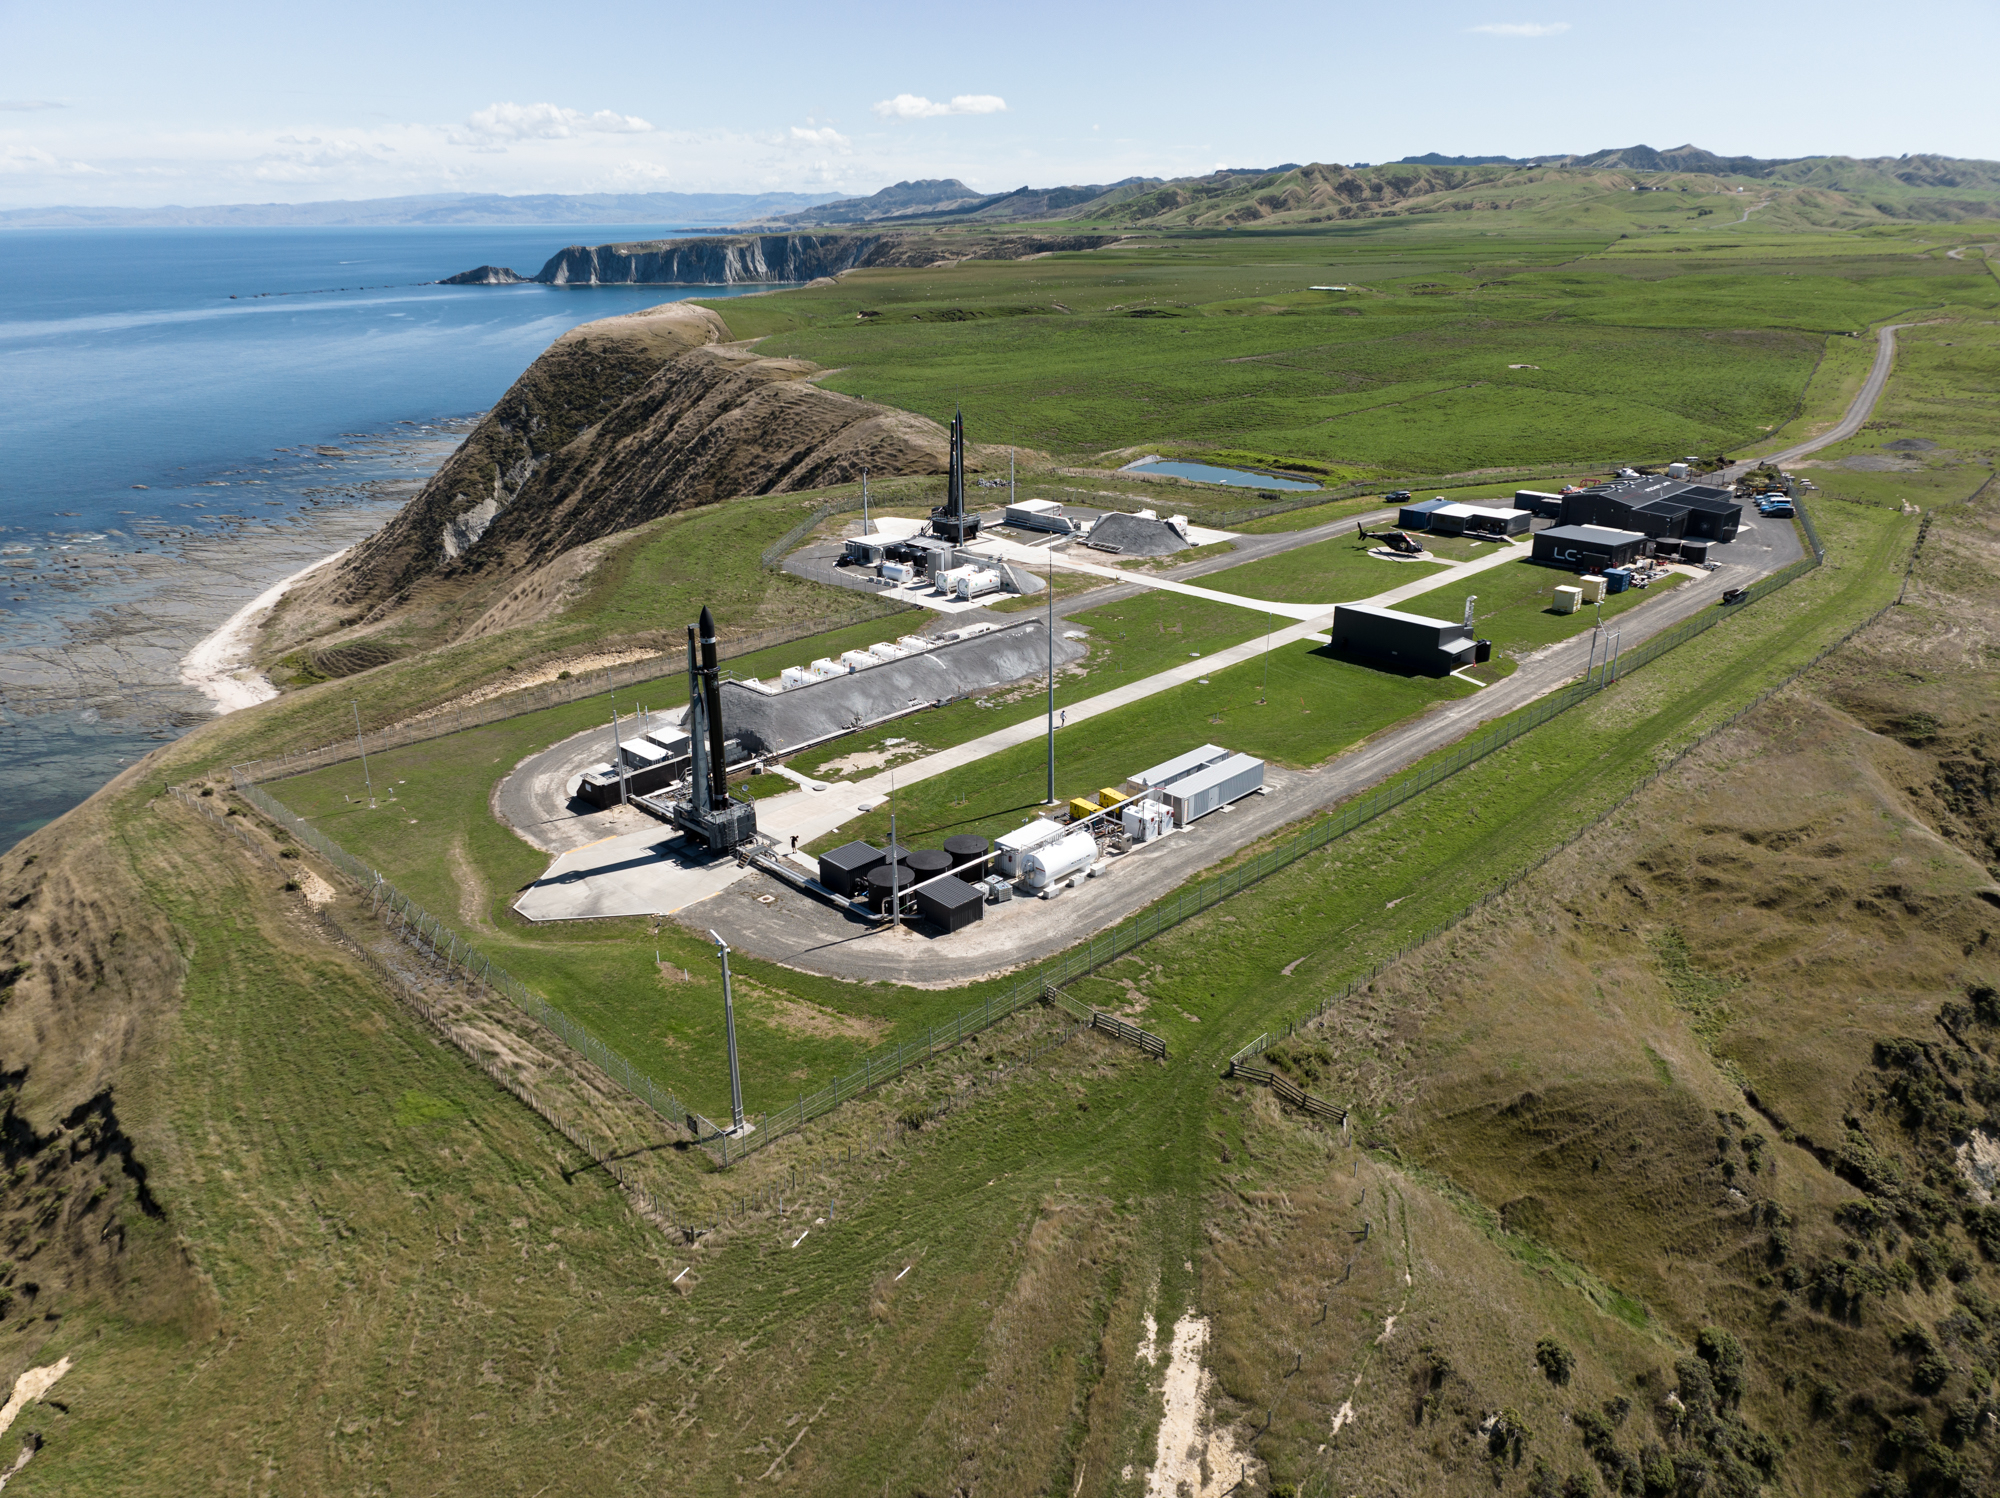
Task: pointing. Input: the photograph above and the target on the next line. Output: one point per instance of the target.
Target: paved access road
(1858, 410)
(806, 934)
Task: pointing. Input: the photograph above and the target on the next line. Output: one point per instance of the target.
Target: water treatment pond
(1208, 473)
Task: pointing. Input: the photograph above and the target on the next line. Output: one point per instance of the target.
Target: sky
(199, 103)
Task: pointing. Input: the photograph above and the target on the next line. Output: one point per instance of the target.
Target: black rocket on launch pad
(949, 522)
(708, 812)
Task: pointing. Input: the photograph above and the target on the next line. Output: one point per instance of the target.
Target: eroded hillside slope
(1726, 1066)
(618, 423)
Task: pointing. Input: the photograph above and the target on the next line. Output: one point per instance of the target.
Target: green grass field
(1466, 354)
(1516, 605)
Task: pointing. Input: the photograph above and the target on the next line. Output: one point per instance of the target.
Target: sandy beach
(219, 667)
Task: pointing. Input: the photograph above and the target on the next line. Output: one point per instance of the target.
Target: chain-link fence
(1097, 950)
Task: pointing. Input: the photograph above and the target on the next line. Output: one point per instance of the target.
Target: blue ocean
(189, 415)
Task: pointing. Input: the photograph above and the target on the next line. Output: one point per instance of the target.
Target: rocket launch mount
(709, 813)
(949, 522)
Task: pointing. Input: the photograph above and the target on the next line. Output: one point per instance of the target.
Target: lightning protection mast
(729, 1025)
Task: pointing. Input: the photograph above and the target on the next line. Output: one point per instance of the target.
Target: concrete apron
(652, 872)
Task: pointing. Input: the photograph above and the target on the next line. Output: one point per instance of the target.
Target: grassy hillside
(1654, 1180)
(1446, 355)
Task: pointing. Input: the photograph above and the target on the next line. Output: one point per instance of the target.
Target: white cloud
(550, 122)
(25, 106)
(825, 136)
(1523, 28)
(917, 107)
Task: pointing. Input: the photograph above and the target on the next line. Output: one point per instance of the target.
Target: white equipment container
(974, 581)
(1568, 600)
(1055, 862)
(1180, 524)
(1195, 796)
(1677, 470)
(1146, 820)
(1038, 515)
(887, 651)
(1593, 587)
(795, 676)
(1181, 766)
(914, 643)
(824, 668)
(1011, 847)
(641, 755)
(676, 744)
(857, 659)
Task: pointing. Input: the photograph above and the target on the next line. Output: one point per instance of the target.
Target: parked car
(1397, 498)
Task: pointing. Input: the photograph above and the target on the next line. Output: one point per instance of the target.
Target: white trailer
(1195, 796)
(1181, 766)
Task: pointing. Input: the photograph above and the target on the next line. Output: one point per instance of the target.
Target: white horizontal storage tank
(823, 668)
(973, 582)
(795, 676)
(898, 572)
(915, 643)
(1011, 847)
(1181, 766)
(887, 651)
(857, 659)
(1145, 820)
(1056, 861)
(1195, 796)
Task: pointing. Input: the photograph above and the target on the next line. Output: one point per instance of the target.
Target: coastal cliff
(618, 423)
(750, 259)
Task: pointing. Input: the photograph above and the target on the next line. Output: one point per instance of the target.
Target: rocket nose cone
(707, 622)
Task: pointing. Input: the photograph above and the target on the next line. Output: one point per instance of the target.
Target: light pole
(1052, 678)
(362, 744)
(729, 1025)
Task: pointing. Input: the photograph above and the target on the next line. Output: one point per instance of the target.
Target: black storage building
(1712, 514)
(845, 869)
(1436, 646)
(1662, 519)
(951, 903)
(1588, 548)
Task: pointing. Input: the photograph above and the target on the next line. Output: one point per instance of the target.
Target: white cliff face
(463, 533)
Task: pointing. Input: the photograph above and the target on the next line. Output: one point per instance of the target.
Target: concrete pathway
(649, 873)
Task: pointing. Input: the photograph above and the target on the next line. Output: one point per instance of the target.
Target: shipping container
(1202, 792)
(1181, 765)
(1568, 600)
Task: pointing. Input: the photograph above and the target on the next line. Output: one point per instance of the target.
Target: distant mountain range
(1891, 187)
(1851, 191)
(683, 209)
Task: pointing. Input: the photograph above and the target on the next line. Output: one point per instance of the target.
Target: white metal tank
(974, 581)
(1056, 861)
(914, 643)
(1012, 847)
(887, 651)
(795, 676)
(1146, 820)
(823, 668)
(856, 659)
